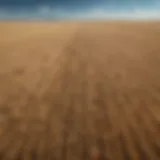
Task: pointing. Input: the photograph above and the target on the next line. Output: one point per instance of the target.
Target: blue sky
(79, 9)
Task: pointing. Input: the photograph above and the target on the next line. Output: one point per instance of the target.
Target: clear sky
(79, 9)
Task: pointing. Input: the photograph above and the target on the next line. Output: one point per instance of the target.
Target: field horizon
(80, 90)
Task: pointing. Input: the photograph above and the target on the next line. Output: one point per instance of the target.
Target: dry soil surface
(80, 91)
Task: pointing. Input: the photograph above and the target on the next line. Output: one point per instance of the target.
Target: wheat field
(80, 91)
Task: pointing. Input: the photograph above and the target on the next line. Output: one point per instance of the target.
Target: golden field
(80, 91)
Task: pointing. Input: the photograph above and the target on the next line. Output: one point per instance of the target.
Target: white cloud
(134, 14)
(48, 12)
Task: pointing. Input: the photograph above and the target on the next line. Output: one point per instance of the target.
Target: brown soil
(80, 91)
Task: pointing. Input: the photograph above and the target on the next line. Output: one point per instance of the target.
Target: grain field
(80, 91)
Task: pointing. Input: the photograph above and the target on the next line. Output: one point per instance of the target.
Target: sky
(79, 9)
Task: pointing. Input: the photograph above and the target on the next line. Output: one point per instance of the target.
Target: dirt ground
(80, 91)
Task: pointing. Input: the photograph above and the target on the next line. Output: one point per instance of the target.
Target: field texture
(80, 91)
